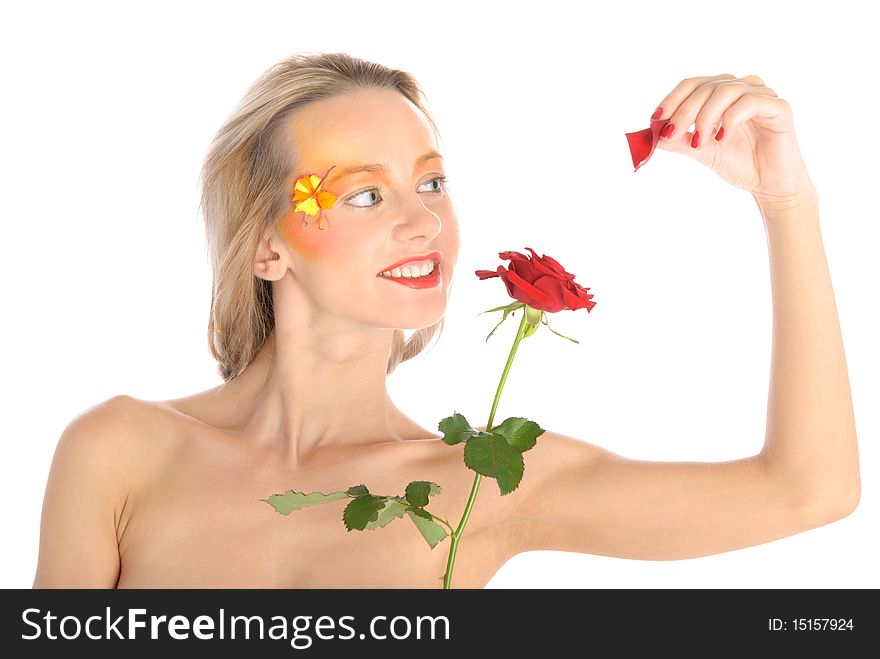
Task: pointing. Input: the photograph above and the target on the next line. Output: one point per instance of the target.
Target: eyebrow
(378, 166)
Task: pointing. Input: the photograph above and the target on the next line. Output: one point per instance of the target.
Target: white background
(107, 110)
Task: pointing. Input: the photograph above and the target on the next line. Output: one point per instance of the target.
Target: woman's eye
(440, 188)
(441, 184)
(362, 194)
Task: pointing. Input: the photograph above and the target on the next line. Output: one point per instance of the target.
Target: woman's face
(379, 218)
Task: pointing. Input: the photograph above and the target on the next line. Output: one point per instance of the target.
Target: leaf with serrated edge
(361, 511)
(417, 493)
(519, 432)
(291, 500)
(430, 530)
(492, 455)
(456, 429)
(394, 508)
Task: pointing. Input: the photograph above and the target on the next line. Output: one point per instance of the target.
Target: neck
(307, 393)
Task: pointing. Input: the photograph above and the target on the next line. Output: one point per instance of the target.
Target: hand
(758, 150)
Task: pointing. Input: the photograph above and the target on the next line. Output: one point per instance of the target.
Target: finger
(754, 105)
(683, 90)
(707, 122)
(686, 114)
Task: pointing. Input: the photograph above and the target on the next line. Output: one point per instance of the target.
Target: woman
(306, 323)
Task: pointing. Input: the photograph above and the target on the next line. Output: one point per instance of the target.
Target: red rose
(540, 282)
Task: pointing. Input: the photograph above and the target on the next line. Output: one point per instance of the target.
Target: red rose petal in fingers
(643, 142)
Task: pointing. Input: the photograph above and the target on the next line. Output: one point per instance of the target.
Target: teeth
(419, 269)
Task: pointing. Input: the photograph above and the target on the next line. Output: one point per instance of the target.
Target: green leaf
(431, 531)
(362, 510)
(357, 490)
(420, 512)
(417, 492)
(289, 501)
(492, 455)
(456, 429)
(394, 507)
(519, 432)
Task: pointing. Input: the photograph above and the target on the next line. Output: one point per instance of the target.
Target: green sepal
(544, 320)
(508, 308)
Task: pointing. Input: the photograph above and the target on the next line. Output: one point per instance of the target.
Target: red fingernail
(667, 131)
(696, 140)
(719, 134)
(657, 114)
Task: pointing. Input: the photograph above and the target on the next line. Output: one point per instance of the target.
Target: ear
(271, 260)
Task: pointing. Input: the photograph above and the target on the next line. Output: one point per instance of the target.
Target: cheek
(309, 241)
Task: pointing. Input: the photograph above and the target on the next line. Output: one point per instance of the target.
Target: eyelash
(442, 191)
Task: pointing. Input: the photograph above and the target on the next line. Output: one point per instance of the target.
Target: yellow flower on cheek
(311, 199)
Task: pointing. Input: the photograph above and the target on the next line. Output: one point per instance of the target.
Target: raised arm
(576, 496)
(810, 441)
(579, 497)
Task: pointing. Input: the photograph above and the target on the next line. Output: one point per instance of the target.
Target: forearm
(810, 442)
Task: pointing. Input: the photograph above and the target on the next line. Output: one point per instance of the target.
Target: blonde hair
(243, 193)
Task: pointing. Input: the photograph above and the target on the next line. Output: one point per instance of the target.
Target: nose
(418, 221)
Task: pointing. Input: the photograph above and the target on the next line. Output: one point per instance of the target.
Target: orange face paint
(310, 200)
(307, 240)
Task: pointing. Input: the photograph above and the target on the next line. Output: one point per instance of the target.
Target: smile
(411, 274)
(413, 269)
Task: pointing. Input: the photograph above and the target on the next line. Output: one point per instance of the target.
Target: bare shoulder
(93, 469)
(102, 433)
(112, 432)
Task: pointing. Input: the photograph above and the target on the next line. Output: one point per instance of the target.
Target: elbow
(850, 504)
(831, 508)
(852, 489)
(822, 495)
